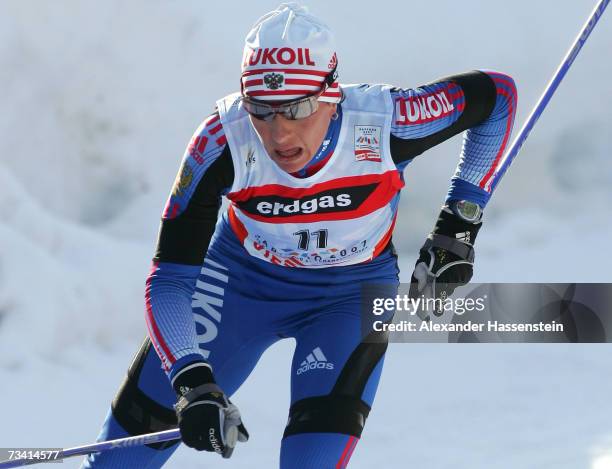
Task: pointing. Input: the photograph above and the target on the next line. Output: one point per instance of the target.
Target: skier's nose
(280, 129)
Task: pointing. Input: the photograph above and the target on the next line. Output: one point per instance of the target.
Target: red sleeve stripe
(163, 360)
(155, 334)
(210, 120)
(350, 454)
(171, 210)
(503, 79)
(215, 129)
(347, 452)
(511, 99)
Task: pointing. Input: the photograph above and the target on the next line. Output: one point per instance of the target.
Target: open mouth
(289, 154)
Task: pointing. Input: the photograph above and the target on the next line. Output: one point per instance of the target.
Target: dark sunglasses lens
(301, 109)
(258, 111)
(292, 111)
(264, 117)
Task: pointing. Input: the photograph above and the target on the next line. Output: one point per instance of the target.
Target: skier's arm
(187, 225)
(207, 420)
(483, 103)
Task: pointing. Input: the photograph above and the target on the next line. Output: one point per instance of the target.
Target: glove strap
(459, 248)
(196, 392)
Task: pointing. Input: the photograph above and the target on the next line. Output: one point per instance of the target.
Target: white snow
(100, 98)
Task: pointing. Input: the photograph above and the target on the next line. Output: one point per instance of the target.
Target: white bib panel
(341, 215)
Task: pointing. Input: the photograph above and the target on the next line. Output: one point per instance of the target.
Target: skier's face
(292, 143)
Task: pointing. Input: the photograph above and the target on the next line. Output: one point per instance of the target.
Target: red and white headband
(289, 54)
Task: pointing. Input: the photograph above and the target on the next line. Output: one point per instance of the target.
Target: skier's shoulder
(472, 83)
(206, 169)
(229, 108)
(362, 96)
(208, 141)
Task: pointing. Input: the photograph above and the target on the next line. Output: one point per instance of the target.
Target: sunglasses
(294, 110)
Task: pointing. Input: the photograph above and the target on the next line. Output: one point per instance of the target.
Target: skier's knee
(327, 414)
(136, 412)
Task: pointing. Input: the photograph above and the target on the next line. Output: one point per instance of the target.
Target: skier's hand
(208, 421)
(446, 259)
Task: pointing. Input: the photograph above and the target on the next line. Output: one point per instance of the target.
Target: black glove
(208, 421)
(446, 259)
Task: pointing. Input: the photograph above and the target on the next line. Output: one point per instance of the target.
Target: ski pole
(128, 442)
(569, 58)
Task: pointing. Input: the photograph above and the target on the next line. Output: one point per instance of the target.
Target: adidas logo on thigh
(315, 360)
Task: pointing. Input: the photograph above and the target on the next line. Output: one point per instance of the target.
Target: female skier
(312, 170)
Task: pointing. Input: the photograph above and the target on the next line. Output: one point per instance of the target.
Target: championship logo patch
(183, 180)
(274, 81)
(367, 142)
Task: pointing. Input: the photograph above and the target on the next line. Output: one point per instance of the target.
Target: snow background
(99, 100)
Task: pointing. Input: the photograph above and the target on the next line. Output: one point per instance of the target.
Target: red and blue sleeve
(481, 103)
(187, 225)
